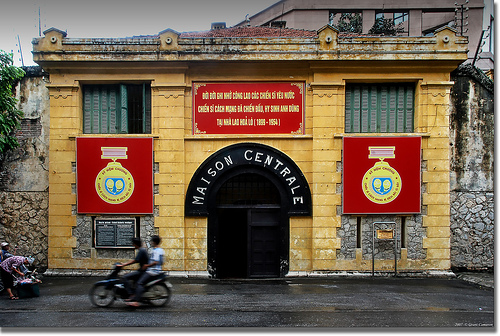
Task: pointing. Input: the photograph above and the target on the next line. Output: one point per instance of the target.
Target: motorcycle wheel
(100, 296)
(159, 295)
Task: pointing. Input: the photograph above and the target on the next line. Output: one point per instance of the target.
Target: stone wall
(472, 175)
(410, 234)
(24, 223)
(84, 235)
(24, 177)
(472, 227)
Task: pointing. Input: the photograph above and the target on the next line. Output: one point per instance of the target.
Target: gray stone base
(413, 274)
(58, 272)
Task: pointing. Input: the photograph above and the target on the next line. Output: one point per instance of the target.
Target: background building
(471, 18)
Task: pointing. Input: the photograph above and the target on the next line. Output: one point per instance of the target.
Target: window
(398, 18)
(347, 22)
(278, 24)
(248, 189)
(379, 108)
(391, 23)
(115, 109)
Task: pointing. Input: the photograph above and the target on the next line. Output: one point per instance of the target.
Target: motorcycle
(27, 285)
(157, 292)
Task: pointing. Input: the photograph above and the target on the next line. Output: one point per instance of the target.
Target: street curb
(481, 279)
(314, 274)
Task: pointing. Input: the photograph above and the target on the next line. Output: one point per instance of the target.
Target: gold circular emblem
(381, 183)
(114, 184)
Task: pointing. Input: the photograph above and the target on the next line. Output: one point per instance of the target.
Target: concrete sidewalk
(483, 279)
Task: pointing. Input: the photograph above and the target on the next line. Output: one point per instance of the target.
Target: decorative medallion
(381, 183)
(114, 183)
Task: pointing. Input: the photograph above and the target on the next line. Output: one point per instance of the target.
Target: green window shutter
(392, 110)
(365, 94)
(410, 93)
(383, 108)
(96, 109)
(348, 110)
(99, 109)
(123, 128)
(356, 115)
(401, 110)
(103, 113)
(374, 117)
(87, 111)
(113, 96)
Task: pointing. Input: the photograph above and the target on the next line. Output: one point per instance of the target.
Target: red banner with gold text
(248, 108)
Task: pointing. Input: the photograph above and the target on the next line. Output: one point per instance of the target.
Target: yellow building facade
(228, 236)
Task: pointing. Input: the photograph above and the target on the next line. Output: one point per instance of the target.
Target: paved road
(296, 302)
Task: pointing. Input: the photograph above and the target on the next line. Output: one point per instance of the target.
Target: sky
(19, 19)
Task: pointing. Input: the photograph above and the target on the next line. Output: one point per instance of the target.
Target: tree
(383, 26)
(10, 116)
(350, 23)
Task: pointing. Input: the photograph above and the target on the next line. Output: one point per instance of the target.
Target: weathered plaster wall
(471, 169)
(24, 178)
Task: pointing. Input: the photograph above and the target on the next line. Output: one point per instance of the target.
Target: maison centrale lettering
(265, 160)
(275, 162)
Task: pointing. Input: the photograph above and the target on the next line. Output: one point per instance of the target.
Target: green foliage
(383, 26)
(10, 116)
(350, 23)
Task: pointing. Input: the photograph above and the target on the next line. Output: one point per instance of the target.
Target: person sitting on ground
(10, 266)
(154, 267)
(142, 259)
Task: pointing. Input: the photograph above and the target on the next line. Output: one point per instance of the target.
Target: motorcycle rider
(142, 259)
(154, 267)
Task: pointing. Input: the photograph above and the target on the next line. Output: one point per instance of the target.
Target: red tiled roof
(251, 32)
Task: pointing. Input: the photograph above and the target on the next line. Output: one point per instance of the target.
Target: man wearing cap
(4, 253)
(10, 265)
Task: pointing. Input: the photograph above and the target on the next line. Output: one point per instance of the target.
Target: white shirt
(157, 255)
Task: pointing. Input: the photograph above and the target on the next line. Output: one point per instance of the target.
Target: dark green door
(264, 243)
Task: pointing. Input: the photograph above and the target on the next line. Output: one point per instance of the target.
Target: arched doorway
(248, 191)
(247, 234)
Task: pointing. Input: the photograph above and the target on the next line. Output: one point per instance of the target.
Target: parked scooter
(157, 291)
(27, 285)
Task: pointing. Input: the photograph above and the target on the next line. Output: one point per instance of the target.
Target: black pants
(132, 277)
(140, 285)
(7, 279)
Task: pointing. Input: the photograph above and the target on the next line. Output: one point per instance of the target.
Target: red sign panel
(114, 175)
(248, 108)
(381, 175)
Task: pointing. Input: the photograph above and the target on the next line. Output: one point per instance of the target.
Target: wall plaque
(114, 233)
(385, 234)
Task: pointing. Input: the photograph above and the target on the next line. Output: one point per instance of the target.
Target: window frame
(397, 118)
(107, 108)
